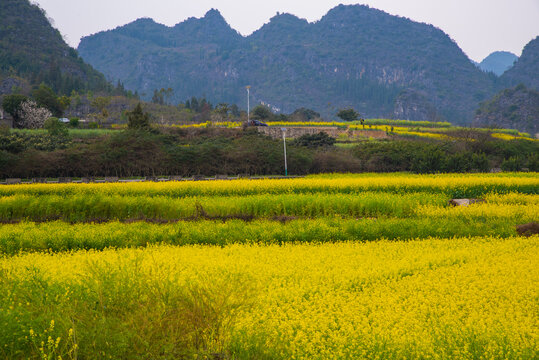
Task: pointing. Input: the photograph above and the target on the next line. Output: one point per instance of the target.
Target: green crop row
(103, 208)
(60, 236)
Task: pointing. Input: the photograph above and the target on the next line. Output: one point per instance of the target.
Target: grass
(78, 133)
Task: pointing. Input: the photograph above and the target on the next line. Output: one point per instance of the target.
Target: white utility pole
(248, 87)
(284, 144)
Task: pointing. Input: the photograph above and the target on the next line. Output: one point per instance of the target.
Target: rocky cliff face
(516, 108)
(414, 105)
(526, 69)
(354, 56)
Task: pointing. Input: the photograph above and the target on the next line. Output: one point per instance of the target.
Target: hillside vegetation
(354, 56)
(526, 69)
(517, 107)
(215, 149)
(32, 51)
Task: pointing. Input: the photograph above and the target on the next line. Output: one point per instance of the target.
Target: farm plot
(325, 267)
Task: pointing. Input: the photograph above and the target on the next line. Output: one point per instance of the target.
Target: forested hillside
(32, 51)
(354, 56)
(526, 69)
(515, 108)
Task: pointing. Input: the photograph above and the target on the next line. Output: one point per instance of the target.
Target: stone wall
(295, 132)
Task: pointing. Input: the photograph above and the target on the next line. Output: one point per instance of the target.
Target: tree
(168, 93)
(222, 109)
(12, 105)
(315, 140)
(64, 101)
(101, 103)
(162, 96)
(205, 105)
(194, 104)
(45, 97)
(348, 114)
(138, 119)
(306, 114)
(158, 97)
(55, 127)
(235, 111)
(262, 112)
(32, 116)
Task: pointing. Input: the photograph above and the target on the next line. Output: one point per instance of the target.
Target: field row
(103, 207)
(59, 236)
(88, 208)
(453, 185)
(466, 298)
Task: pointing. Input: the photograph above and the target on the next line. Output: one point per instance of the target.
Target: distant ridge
(498, 62)
(354, 56)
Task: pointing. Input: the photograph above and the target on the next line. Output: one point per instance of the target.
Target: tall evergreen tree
(138, 119)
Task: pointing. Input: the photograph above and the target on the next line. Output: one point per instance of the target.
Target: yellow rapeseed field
(461, 298)
(335, 266)
(467, 184)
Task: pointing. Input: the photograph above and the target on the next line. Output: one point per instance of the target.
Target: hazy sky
(478, 26)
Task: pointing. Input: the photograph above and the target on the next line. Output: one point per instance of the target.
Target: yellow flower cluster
(431, 135)
(511, 137)
(331, 184)
(227, 124)
(522, 213)
(307, 123)
(439, 298)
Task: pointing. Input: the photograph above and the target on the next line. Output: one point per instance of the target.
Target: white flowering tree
(31, 116)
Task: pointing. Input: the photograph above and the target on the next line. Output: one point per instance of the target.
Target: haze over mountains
(354, 56)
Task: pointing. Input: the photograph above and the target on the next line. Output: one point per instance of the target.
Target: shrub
(514, 163)
(74, 122)
(55, 127)
(335, 161)
(315, 140)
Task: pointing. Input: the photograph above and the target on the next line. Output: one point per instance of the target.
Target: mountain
(354, 56)
(32, 51)
(526, 69)
(498, 62)
(515, 108)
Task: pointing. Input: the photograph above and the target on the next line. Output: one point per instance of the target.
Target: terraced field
(324, 267)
